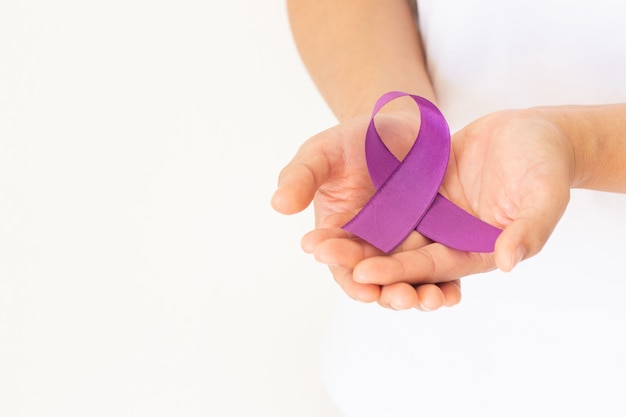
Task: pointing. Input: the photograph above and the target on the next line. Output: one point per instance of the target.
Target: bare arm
(356, 50)
(598, 138)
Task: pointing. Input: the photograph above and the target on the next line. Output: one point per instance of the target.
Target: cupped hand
(512, 169)
(330, 169)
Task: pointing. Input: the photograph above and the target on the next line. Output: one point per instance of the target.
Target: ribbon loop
(407, 196)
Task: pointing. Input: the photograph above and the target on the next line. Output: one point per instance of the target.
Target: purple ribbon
(407, 192)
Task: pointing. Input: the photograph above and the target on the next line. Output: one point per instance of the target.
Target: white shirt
(489, 54)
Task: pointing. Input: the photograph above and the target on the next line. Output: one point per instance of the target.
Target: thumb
(296, 188)
(528, 232)
(299, 179)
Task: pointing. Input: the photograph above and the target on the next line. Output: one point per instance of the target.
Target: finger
(299, 179)
(335, 252)
(313, 238)
(335, 220)
(366, 293)
(451, 292)
(430, 297)
(529, 232)
(403, 296)
(520, 240)
(400, 296)
(346, 252)
(510, 248)
(425, 297)
(429, 264)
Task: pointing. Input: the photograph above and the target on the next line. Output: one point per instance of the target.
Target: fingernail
(325, 259)
(397, 305)
(518, 255)
(424, 308)
(358, 276)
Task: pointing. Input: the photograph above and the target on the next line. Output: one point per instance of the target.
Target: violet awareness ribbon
(407, 196)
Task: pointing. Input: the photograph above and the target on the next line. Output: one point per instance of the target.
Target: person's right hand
(330, 169)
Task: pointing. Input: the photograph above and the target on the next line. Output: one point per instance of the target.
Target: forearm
(598, 138)
(356, 50)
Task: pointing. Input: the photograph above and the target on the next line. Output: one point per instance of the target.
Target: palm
(348, 186)
(498, 166)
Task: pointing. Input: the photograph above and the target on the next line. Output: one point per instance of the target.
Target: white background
(142, 270)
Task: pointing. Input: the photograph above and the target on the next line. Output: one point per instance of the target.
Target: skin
(513, 169)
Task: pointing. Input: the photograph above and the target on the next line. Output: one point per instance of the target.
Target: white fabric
(548, 338)
(485, 55)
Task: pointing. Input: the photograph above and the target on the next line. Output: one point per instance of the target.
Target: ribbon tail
(450, 225)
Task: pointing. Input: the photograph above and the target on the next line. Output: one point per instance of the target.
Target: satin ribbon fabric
(407, 192)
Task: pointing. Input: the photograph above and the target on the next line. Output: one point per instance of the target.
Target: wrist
(575, 126)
